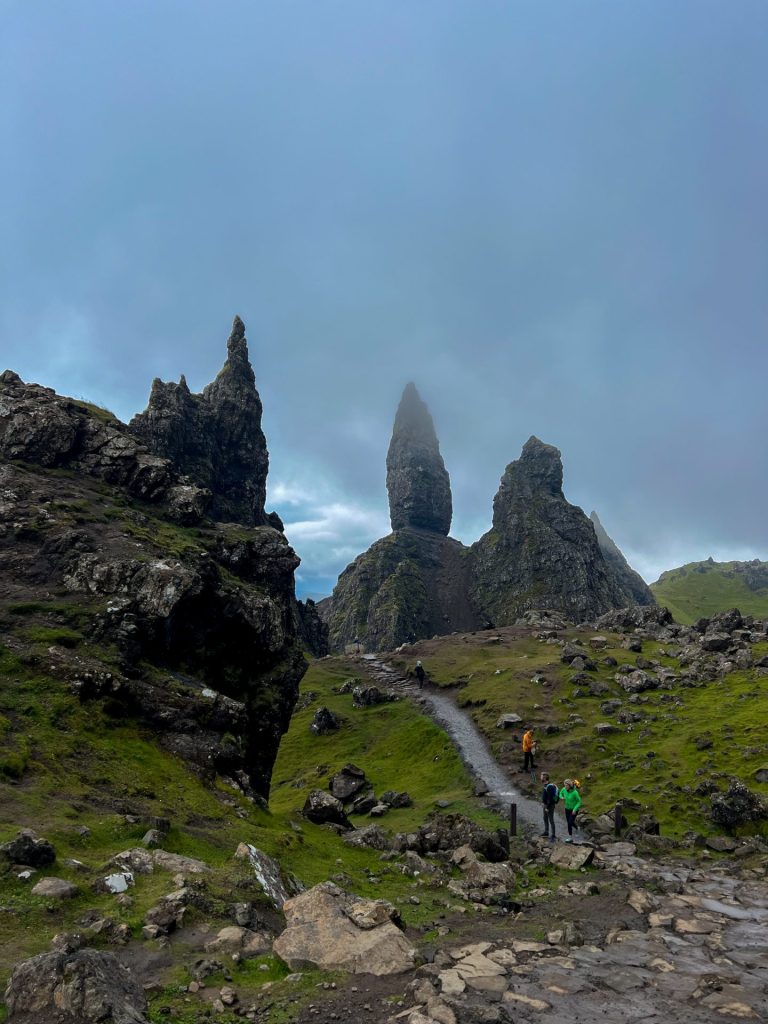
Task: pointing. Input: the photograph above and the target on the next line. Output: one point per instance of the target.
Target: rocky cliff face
(631, 584)
(188, 623)
(541, 552)
(414, 582)
(214, 438)
(417, 481)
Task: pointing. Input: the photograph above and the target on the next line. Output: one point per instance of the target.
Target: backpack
(556, 796)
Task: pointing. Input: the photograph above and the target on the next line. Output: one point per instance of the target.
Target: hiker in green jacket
(571, 798)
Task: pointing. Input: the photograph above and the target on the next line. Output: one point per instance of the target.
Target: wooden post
(617, 818)
(513, 819)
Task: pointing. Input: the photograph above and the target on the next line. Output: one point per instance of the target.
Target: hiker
(549, 798)
(420, 673)
(529, 749)
(571, 798)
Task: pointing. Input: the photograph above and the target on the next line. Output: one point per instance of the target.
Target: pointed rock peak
(542, 466)
(417, 481)
(238, 362)
(413, 417)
(183, 383)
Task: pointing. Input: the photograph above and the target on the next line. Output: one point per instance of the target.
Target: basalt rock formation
(541, 551)
(414, 582)
(184, 622)
(215, 438)
(631, 583)
(417, 481)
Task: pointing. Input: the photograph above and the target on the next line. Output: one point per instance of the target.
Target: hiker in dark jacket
(549, 798)
(420, 673)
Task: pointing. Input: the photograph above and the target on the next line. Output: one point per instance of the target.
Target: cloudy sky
(551, 216)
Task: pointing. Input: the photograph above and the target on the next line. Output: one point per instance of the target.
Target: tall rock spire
(216, 437)
(417, 481)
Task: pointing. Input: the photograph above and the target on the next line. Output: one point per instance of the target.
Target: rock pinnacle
(417, 481)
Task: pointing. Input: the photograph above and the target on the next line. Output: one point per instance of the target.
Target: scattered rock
(55, 888)
(324, 809)
(323, 722)
(29, 849)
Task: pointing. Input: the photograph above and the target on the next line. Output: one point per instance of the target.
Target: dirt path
(468, 739)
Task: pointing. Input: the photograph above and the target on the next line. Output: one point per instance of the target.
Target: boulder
(571, 856)
(55, 889)
(81, 987)
(393, 799)
(347, 782)
(324, 809)
(371, 836)
(737, 806)
(715, 641)
(29, 849)
(269, 875)
(330, 930)
(323, 722)
(508, 721)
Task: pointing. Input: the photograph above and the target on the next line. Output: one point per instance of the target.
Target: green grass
(84, 769)
(703, 588)
(618, 766)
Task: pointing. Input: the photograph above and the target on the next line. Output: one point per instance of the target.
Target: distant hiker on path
(549, 798)
(420, 673)
(571, 797)
(529, 749)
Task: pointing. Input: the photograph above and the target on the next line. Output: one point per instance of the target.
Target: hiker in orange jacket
(529, 749)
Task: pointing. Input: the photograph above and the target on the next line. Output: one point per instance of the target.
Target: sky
(551, 216)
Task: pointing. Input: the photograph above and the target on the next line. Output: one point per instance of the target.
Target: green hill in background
(703, 588)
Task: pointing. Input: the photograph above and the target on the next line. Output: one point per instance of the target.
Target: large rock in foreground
(85, 987)
(541, 551)
(333, 931)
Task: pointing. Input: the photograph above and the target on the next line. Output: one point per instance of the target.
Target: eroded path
(469, 741)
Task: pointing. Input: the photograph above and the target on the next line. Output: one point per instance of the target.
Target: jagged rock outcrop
(312, 630)
(193, 631)
(215, 438)
(630, 583)
(417, 481)
(40, 427)
(541, 551)
(408, 585)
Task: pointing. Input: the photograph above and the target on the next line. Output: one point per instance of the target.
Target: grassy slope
(731, 712)
(703, 588)
(83, 768)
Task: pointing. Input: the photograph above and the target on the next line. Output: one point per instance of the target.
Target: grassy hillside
(82, 779)
(682, 737)
(703, 588)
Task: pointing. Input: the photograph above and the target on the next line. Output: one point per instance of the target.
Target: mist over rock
(417, 481)
(215, 437)
(414, 582)
(631, 583)
(541, 551)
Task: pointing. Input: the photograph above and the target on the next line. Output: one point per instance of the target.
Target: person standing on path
(529, 749)
(549, 798)
(420, 673)
(571, 797)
